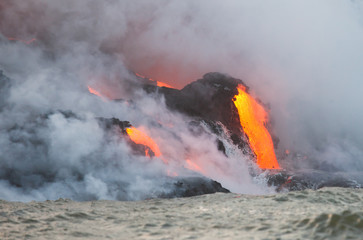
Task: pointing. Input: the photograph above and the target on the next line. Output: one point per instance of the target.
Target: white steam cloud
(302, 57)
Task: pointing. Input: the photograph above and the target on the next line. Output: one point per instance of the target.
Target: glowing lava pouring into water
(253, 118)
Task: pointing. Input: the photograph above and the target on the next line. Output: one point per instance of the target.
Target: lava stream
(253, 118)
(104, 94)
(139, 137)
(158, 83)
(95, 92)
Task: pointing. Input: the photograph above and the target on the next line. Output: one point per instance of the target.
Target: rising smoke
(303, 57)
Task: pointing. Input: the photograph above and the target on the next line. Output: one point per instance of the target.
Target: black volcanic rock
(210, 100)
(109, 123)
(193, 186)
(313, 179)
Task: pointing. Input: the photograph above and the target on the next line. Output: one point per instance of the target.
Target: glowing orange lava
(103, 93)
(253, 118)
(95, 92)
(139, 137)
(158, 83)
(161, 84)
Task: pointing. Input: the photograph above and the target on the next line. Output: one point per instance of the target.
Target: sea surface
(328, 213)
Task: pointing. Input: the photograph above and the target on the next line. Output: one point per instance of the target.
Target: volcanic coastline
(208, 101)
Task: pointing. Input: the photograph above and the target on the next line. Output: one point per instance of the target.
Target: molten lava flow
(161, 84)
(95, 92)
(103, 93)
(253, 118)
(158, 83)
(139, 137)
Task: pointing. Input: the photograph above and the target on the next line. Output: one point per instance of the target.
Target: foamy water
(329, 213)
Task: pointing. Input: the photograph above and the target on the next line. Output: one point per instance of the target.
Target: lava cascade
(253, 118)
(139, 137)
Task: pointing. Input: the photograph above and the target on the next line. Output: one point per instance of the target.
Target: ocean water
(328, 213)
